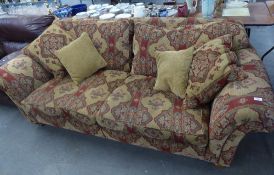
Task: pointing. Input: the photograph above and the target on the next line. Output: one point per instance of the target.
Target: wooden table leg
(248, 31)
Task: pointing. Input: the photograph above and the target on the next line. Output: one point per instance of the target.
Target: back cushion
(211, 66)
(148, 39)
(42, 49)
(111, 39)
(215, 28)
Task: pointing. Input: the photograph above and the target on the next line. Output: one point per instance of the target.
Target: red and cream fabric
(210, 69)
(241, 107)
(114, 105)
(149, 38)
(21, 76)
(58, 96)
(111, 39)
(42, 49)
(136, 107)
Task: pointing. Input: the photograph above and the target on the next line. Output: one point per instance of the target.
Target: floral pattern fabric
(149, 38)
(21, 76)
(42, 49)
(60, 97)
(210, 71)
(243, 106)
(111, 39)
(135, 106)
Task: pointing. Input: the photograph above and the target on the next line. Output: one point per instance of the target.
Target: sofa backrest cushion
(42, 49)
(150, 38)
(217, 26)
(210, 70)
(112, 39)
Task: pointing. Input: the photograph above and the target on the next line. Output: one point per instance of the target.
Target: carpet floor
(27, 149)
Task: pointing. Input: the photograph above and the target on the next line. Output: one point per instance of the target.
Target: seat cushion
(60, 97)
(136, 107)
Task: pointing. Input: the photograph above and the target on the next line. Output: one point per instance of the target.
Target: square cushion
(42, 49)
(211, 67)
(58, 98)
(111, 38)
(148, 39)
(172, 71)
(136, 107)
(80, 58)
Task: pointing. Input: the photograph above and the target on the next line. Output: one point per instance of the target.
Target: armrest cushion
(21, 76)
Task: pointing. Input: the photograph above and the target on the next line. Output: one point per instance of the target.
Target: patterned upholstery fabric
(210, 69)
(149, 38)
(21, 76)
(148, 118)
(135, 106)
(211, 29)
(56, 98)
(111, 38)
(241, 107)
(42, 49)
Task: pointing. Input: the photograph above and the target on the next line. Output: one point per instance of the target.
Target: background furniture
(17, 31)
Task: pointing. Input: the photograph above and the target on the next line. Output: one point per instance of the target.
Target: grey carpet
(27, 149)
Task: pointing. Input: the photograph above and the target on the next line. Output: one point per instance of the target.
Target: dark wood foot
(41, 124)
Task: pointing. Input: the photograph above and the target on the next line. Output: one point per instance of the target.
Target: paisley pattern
(210, 71)
(135, 106)
(85, 99)
(148, 37)
(42, 49)
(114, 105)
(21, 76)
(111, 39)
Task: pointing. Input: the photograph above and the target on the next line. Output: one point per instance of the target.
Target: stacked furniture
(225, 91)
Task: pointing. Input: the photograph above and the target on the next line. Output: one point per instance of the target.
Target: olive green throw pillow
(172, 70)
(80, 58)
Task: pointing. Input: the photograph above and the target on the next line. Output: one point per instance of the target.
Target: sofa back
(112, 38)
(115, 42)
(152, 34)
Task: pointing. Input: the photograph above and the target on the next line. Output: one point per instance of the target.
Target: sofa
(119, 102)
(19, 30)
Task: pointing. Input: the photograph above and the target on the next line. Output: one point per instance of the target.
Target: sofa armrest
(21, 76)
(241, 107)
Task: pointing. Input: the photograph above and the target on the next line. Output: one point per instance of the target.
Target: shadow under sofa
(117, 104)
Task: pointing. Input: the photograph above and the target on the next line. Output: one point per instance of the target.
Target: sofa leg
(41, 124)
(219, 166)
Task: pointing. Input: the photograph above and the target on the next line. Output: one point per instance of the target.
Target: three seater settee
(119, 102)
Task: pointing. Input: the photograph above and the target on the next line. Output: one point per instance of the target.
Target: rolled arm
(242, 107)
(21, 76)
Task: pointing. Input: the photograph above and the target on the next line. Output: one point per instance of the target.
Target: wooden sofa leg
(41, 124)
